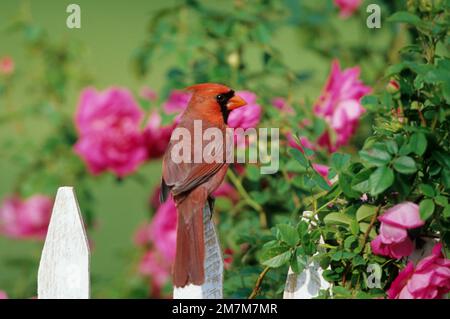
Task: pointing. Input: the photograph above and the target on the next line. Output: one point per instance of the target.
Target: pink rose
(163, 229)
(157, 137)
(248, 115)
(393, 240)
(109, 135)
(6, 65)
(3, 295)
(323, 171)
(347, 7)
(153, 264)
(281, 104)
(227, 191)
(25, 218)
(148, 94)
(340, 106)
(429, 280)
(177, 101)
(304, 142)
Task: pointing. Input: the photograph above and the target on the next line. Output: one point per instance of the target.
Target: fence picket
(64, 265)
(212, 288)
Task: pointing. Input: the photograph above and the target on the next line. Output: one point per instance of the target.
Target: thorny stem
(237, 183)
(258, 283)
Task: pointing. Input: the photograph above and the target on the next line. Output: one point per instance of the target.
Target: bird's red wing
(182, 177)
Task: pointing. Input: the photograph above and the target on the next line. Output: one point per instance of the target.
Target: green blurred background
(111, 31)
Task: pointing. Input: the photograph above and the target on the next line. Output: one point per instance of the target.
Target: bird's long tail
(190, 251)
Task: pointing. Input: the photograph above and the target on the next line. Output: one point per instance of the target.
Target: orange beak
(235, 102)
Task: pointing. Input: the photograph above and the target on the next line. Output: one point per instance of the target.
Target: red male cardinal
(191, 184)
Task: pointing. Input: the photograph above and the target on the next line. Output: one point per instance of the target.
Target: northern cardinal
(191, 184)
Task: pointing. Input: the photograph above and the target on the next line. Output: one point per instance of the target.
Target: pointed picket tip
(64, 266)
(213, 286)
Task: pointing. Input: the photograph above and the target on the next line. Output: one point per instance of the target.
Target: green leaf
(405, 165)
(354, 227)
(441, 200)
(339, 161)
(446, 211)
(392, 147)
(300, 157)
(418, 143)
(337, 218)
(360, 182)
(405, 17)
(426, 208)
(276, 257)
(365, 213)
(320, 181)
(345, 181)
(375, 157)
(288, 234)
(427, 190)
(380, 180)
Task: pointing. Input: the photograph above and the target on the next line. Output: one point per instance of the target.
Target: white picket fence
(64, 265)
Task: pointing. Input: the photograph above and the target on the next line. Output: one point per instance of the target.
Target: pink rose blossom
(148, 94)
(340, 106)
(153, 264)
(323, 171)
(177, 101)
(6, 65)
(248, 115)
(157, 137)
(304, 142)
(347, 7)
(227, 191)
(163, 229)
(23, 219)
(393, 240)
(281, 104)
(109, 135)
(3, 295)
(429, 280)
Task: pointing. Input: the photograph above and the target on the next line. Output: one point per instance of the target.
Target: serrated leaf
(300, 157)
(405, 165)
(375, 157)
(427, 190)
(339, 161)
(277, 258)
(405, 17)
(380, 180)
(337, 218)
(418, 143)
(365, 213)
(426, 208)
(288, 234)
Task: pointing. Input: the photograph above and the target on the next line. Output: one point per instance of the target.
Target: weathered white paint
(308, 283)
(64, 266)
(213, 286)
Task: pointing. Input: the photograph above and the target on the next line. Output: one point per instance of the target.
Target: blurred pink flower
(6, 65)
(304, 142)
(281, 104)
(157, 137)
(148, 93)
(153, 264)
(25, 218)
(429, 280)
(248, 115)
(177, 101)
(340, 106)
(109, 135)
(347, 7)
(323, 171)
(163, 229)
(227, 191)
(393, 240)
(3, 295)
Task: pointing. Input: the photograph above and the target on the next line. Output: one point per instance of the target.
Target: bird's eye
(220, 97)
